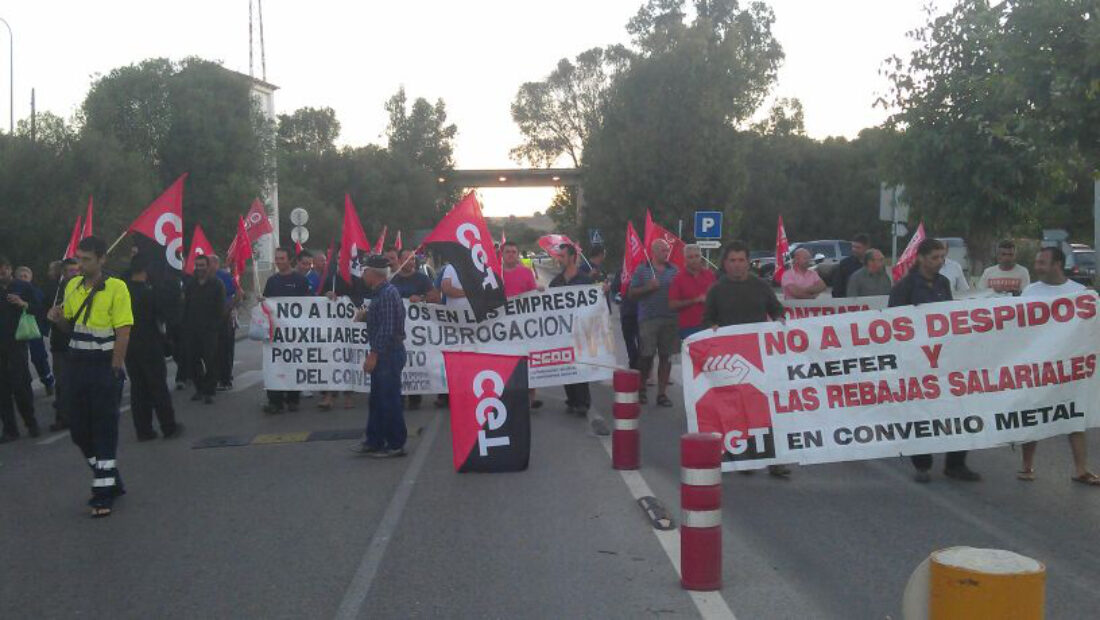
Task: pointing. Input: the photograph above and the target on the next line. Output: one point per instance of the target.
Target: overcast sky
(352, 56)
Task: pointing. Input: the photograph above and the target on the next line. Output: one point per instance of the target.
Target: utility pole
(33, 133)
(11, 76)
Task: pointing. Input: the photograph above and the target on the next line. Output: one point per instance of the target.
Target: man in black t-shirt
(578, 397)
(285, 283)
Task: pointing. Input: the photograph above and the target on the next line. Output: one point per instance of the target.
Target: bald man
(801, 282)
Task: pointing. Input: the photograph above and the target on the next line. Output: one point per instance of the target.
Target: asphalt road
(307, 529)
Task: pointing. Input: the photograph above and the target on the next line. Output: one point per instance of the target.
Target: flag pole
(402, 265)
(255, 277)
(117, 241)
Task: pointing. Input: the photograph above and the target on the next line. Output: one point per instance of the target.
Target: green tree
(669, 140)
(556, 115)
(997, 112)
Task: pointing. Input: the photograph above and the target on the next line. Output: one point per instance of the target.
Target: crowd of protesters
(102, 330)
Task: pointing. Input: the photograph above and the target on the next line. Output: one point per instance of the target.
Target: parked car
(957, 251)
(1081, 264)
(827, 253)
(763, 263)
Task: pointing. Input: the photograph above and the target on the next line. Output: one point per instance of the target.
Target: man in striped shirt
(97, 313)
(386, 432)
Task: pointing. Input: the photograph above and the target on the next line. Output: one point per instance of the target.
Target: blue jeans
(41, 361)
(386, 420)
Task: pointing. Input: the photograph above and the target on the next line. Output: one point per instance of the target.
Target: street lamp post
(11, 76)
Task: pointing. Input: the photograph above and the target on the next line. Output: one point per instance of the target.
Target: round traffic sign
(299, 217)
(299, 234)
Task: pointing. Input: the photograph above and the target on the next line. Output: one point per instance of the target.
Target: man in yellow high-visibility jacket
(97, 313)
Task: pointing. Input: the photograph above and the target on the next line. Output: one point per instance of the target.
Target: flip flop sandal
(664, 401)
(1027, 475)
(1090, 479)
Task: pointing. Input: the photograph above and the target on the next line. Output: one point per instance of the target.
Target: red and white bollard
(701, 511)
(624, 437)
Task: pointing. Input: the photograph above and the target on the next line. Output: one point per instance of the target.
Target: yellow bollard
(975, 584)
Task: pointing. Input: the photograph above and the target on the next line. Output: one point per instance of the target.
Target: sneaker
(180, 385)
(536, 404)
(362, 448)
(208, 400)
(151, 435)
(272, 409)
(224, 387)
(176, 431)
(922, 476)
(642, 398)
(196, 397)
(963, 473)
(387, 453)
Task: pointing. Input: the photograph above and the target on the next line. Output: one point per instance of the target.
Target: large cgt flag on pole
(490, 411)
(200, 246)
(633, 256)
(654, 231)
(909, 256)
(162, 224)
(352, 241)
(462, 239)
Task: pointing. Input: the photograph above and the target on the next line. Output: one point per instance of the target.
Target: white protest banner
(960, 375)
(315, 345)
(824, 306)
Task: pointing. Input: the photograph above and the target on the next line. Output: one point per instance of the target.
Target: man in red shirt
(518, 279)
(688, 293)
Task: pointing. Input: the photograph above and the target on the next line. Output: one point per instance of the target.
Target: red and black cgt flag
(490, 411)
(462, 239)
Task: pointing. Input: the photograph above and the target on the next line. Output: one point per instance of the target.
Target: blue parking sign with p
(708, 224)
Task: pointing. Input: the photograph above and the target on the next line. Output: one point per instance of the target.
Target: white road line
(709, 604)
(356, 595)
(47, 441)
(246, 380)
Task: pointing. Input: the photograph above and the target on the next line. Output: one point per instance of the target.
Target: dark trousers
(279, 398)
(15, 387)
(954, 460)
(631, 337)
(41, 361)
(95, 393)
(578, 395)
(61, 406)
(149, 390)
(180, 352)
(386, 420)
(203, 354)
(227, 347)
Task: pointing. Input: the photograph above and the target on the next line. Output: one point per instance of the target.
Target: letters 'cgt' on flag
(200, 246)
(781, 249)
(74, 238)
(352, 241)
(490, 411)
(256, 222)
(161, 224)
(632, 257)
(551, 244)
(462, 238)
(909, 256)
(654, 231)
